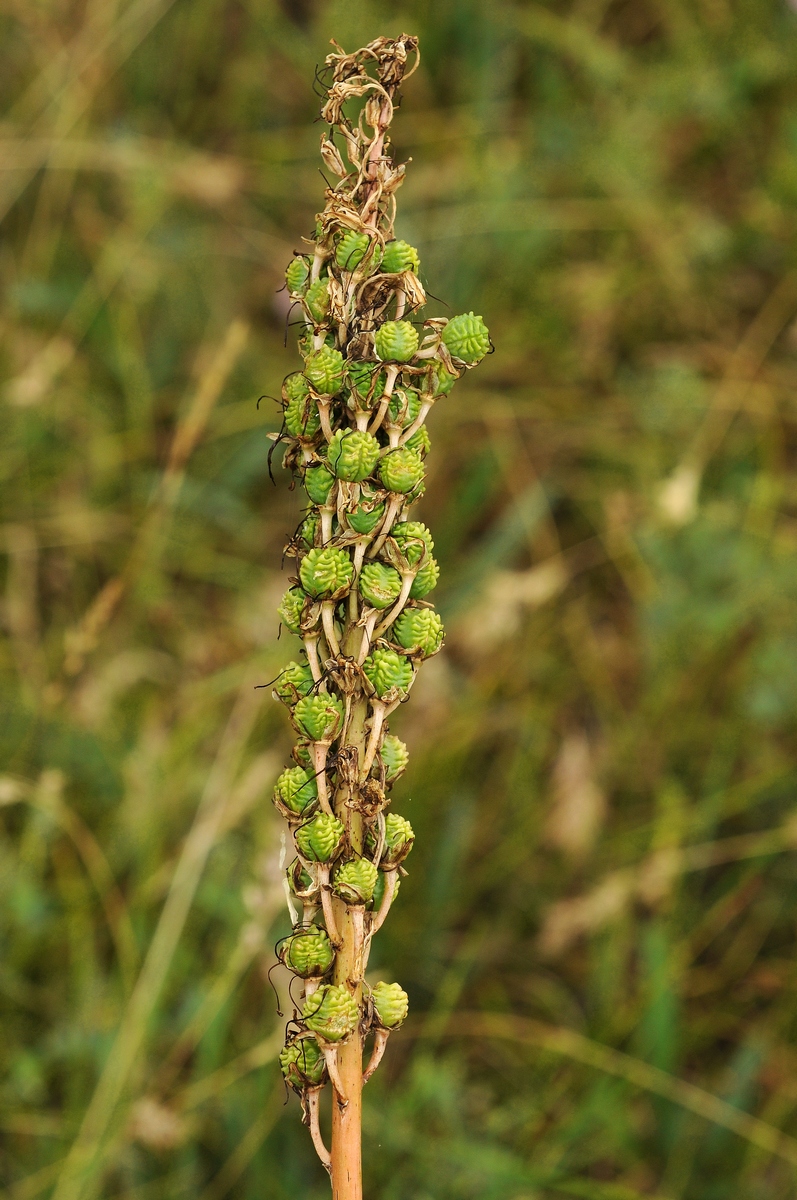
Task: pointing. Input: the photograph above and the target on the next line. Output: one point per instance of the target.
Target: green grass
(603, 769)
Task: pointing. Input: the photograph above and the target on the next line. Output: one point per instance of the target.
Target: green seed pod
(366, 516)
(355, 881)
(302, 884)
(426, 579)
(379, 585)
(308, 952)
(306, 341)
(419, 629)
(379, 890)
(420, 442)
(309, 528)
(442, 380)
(295, 387)
(331, 1013)
(396, 341)
(400, 256)
(391, 1005)
(401, 470)
(352, 454)
(320, 717)
(324, 369)
(301, 753)
(326, 571)
(301, 417)
(467, 338)
(302, 1063)
(297, 274)
(290, 609)
(320, 840)
(395, 756)
(351, 250)
(296, 790)
(411, 538)
(318, 483)
(404, 407)
(385, 669)
(361, 377)
(317, 300)
(293, 681)
(399, 838)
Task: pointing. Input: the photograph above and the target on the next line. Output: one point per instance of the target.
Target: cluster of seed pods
(359, 601)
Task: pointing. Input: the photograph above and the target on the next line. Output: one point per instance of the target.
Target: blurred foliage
(603, 758)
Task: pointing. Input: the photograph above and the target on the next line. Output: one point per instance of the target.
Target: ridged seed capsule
(442, 380)
(317, 300)
(295, 386)
(302, 1063)
(320, 840)
(401, 470)
(426, 580)
(296, 790)
(331, 1013)
(324, 369)
(301, 417)
(293, 681)
(297, 274)
(412, 537)
(395, 756)
(326, 571)
(419, 629)
(320, 717)
(391, 1004)
(396, 341)
(351, 250)
(379, 585)
(308, 952)
(399, 838)
(379, 890)
(399, 256)
(467, 338)
(352, 454)
(318, 483)
(404, 407)
(355, 881)
(366, 516)
(290, 609)
(420, 442)
(385, 669)
(309, 528)
(361, 378)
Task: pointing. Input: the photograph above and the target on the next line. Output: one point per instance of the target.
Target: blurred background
(597, 931)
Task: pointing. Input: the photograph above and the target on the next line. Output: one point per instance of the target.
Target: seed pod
(331, 1013)
(419, 629)
(324, 369)
(318, 483)
(442, 380)
(320, 717)
(302, 418)
(293, 681)
(297, 791)
(351, 250)
(467, 338)
(302, 1063)
(366, 516)
(297, 274)
(401, 470)
(399, 256)
(355, 881)
(379, 890)
(385, 669)
(317, 300)
(302, 884)
(308, 952)
(420, 442)
(320, 840)
(352, 454)
(361, 375)
(309, 529)
(412, 537)
(426, 579)
(395, 756)
(391, 1005)
(396, 341)
(404, 407)
(290, 609)
(301, 753)
(295, 387)
(379, 585)
(326, 571)
(399, 838)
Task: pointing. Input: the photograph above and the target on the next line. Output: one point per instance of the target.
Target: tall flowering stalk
(359, 602)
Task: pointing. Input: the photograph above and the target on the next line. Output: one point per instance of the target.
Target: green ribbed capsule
(326, 571)
(296, 790)
(302, 1063)
(412, 537)
(366, 516)
(320, 717)
(395, 756)
(301, 417)
(301, 753)
(293, 681)
(467, 338)
(324, 369)
(379, 890)
(317, 300)
(318, 483)
(391, 1005)
(404, 407)
(352, 454)
(351, 250)
(331, 1013)
(396, 341)
(399, 256)
(385, 669)
(442, 380)
(399, 838)
(419, 629)
(290, 609)
(308, 952)
(309, 528)
(297, 274)
(320, 840)
(401, 470)
(355, 881)
(361, 378)
(420, 442)
(379, 585)
(426, 579)
(295, 387)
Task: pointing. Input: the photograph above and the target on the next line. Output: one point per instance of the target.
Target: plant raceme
(360, 599)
